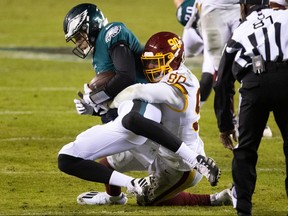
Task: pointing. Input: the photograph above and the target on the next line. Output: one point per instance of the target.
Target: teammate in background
(188, 16)
(218, 21)
(262, 71)
(78, 157)
(176, 90)
(113, 47)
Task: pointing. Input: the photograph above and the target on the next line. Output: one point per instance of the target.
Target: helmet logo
(175, 43)
(75, 24)
(112, 33)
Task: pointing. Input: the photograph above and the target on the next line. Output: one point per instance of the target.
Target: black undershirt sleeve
(137, 123)
(124, 63)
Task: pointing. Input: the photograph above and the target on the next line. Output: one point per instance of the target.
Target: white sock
(119, 179)
(187, 154)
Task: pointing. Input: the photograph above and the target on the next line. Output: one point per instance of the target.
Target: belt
(274, 66)
(270, 67)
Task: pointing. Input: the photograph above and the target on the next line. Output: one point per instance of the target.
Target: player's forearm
(151, 93)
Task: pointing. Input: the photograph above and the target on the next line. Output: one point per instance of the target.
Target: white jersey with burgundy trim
(182, 121)
(178, 94)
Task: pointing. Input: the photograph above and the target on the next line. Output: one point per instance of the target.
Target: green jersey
(109, 36)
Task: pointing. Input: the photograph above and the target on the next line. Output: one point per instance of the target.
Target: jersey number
(262, 19)
(176, 78)
(175, 43)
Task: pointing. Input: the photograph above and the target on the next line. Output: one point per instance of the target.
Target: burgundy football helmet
(163, 52)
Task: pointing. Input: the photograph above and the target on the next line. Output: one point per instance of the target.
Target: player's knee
(65, 163)
(130, 120)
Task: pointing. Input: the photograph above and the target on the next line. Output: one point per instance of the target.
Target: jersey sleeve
(151, 93)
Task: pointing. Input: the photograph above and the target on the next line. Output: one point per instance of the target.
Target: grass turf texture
(37, 116)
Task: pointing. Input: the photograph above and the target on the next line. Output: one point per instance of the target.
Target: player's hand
(83, 108)
(86, 96)
(227, 139)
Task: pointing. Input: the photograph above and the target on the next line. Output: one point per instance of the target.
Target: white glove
(86, 88)
(86, 96)
(83, 108)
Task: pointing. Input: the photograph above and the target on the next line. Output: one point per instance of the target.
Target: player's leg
(155, 131)
(217, 27)
(78, 157)
(121, 162)
(193, 43)
(139, 160)
(168, 181)
(211, 30)
(169, 186)
(207, 77)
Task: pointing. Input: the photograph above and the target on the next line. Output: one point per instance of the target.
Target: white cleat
(101, 198)
(138, 186)
(208, 168)
(222, 198)
(267, 132)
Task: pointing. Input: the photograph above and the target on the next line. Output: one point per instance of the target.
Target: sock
(110, 189)
(119, 179)
(187, 154)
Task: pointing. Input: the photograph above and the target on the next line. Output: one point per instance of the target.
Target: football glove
(226, 139)
(86, 109)
(86, 96)
(83, 108)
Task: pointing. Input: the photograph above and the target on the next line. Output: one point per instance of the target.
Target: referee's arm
(224, 92)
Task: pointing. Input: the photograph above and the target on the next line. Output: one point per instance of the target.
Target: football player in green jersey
(113, 48)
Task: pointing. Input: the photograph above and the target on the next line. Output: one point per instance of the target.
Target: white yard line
(12, 139)
(13, 54)
(48, 89)
(9, 112)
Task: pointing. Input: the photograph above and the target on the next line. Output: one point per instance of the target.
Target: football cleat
(267, 132)
(138, 186)
(208, 168)
(222, 198)
(101, 198)
(149, 193)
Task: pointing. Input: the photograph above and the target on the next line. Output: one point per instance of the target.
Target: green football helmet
(84, 20)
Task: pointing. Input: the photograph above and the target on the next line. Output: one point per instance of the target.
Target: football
(100, 80)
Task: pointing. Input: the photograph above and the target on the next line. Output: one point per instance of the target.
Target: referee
(257, 57)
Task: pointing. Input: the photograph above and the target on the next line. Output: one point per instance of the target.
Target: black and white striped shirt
(264, 33)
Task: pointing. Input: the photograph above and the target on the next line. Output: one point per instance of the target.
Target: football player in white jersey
(218, 21)
(188, 16)
(176, 90)
(77, 158)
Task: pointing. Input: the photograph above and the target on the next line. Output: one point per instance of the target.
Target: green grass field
(38, 82)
